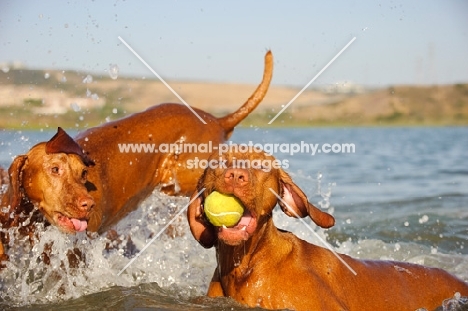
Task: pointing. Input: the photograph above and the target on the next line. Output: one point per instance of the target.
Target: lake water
(402, 194)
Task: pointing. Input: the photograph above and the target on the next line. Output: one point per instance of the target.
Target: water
(113, 71)
(402, 195)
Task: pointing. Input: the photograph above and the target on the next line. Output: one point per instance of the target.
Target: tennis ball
(223, 209)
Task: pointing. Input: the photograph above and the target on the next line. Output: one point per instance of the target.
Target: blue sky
(397, 42)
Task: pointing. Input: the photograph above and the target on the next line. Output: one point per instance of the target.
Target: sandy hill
(38, 97)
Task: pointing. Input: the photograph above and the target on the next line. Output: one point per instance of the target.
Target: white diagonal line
(161, 79)
(160, 232)
(313, 79)
(312, 230)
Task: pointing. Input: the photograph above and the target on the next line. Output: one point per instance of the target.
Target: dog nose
(235, 176)
(86, 204)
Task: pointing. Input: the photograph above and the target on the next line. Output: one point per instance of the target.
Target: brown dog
(260, 265)
(76, 193)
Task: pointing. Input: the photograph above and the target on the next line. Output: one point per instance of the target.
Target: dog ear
(63, 143)
(13, 196)
(202, 232)
(294, 203)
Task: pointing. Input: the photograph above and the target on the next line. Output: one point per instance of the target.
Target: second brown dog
(78, 190)
(261, 266)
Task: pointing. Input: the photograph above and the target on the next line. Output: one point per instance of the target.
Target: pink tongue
(80, 225)
(245, 220)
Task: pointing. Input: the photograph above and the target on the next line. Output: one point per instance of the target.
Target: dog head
(260, 183)
(51, 176)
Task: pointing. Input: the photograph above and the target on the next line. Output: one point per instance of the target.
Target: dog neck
(235, 262)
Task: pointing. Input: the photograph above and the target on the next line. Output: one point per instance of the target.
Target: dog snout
(85, 203)
(236, 177)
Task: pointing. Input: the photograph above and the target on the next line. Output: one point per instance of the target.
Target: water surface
(403, 194)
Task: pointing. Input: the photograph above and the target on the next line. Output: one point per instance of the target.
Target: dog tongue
(245, 220)
(80, 225)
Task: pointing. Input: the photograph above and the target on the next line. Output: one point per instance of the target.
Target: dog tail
(231, 120)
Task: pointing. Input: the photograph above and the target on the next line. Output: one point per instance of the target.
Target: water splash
(88, 79)
(457, 303)
(175, 261)
(75, 107)
(113, 71)
(325, 202)
(51, 271)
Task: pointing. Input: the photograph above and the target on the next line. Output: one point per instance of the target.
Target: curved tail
(231, 120)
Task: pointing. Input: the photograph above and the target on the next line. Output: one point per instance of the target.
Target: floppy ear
(12, 197)
(202, 232)
(294, 203)
(63, 143)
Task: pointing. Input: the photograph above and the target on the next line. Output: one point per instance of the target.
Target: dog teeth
(224, 227)
(244, 228)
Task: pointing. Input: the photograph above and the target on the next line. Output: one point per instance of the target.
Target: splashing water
(172, 260)
(75, 107)
(179, 266)
(457, 303)
(113, 71)
(88, 79)
(325, 202)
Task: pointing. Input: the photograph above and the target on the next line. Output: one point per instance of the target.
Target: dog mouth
(239, 233)
(69, 224)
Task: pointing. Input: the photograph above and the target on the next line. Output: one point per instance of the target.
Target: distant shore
(38, 99)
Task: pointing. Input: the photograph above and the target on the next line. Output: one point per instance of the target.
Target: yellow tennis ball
(223, 209)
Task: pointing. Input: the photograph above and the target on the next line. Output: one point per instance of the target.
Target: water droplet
(114, 111)
(88, 79)
(5, 68)
(423, 219)
(64, 79)
(365, 28)
(113, 71)
(95, 96)
(75, 106)
(65, 26)
(47, 75)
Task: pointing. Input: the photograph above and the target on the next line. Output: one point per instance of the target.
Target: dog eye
(55, 170)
